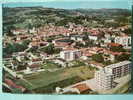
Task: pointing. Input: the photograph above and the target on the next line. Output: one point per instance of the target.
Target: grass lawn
(77, 63)
(50, 65)
(45, 78)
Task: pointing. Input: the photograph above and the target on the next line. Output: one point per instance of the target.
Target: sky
(73, 4)
(59, 0)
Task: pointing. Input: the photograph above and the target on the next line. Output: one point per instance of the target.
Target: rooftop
(82, 87)
(118, 64)
(114, 44)
(14, 85)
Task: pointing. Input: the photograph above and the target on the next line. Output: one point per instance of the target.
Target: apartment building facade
(103, 80)
(119, 69)
(70, 55)
(105, 77)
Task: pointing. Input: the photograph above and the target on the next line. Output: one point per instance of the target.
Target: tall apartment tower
(104, 81)
(105, 77)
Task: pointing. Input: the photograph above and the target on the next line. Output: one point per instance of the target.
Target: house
(86, 53)
(33, 30)
(37, 44)
(113, 45)
(35, 61)
(77, 37)
(111, 55)
(33, 67)
(125, 41)
(13, 85)
(19, 31)
(61, 45)
(82, 88)
(93, 37)
(107, 39)
(95, 50)
(21, 37)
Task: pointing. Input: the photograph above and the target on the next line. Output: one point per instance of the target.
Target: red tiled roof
(61, 44)
(37, 59)
(69, 48)
(114, 44)
(82, 87)
(34, 66)
(96, 63)
(12, 84)
(19, 30)
(116, 53)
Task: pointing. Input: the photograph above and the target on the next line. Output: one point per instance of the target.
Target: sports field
(45, 78)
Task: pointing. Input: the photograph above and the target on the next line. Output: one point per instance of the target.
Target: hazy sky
(73, 4)
(60, 0)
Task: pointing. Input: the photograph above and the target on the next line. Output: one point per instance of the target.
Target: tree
(122, 57)
(98, 58)
(79, 45)
(122, 20)
(57, 50)
(7, 30)
(50, 39)
(128, 31)
(117, 48)
(107, 62)
(49, 49)
(89, 43)
(15, 47)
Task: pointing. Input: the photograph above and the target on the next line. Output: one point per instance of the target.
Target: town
(80, 55)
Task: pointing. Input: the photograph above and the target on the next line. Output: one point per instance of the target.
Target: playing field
(71, 75)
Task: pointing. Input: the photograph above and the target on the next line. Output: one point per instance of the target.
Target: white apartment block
(70, 55)
(104, 78)
(119, 69)
(124, 40)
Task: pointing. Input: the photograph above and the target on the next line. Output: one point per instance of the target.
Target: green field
(50, 65)
(67, 76)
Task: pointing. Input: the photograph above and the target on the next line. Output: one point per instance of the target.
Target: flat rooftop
(118, 64)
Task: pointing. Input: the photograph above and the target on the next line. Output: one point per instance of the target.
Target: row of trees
(50, 49)
(99, 58)
(15, 47)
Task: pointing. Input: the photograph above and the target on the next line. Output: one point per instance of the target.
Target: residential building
(103, 80)
(77, 37)
(19, 31)
(124, 40)
(105, 77)
(119, 69)
(96, 64)
(12, 85)
(70, 55)
(93, 37)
